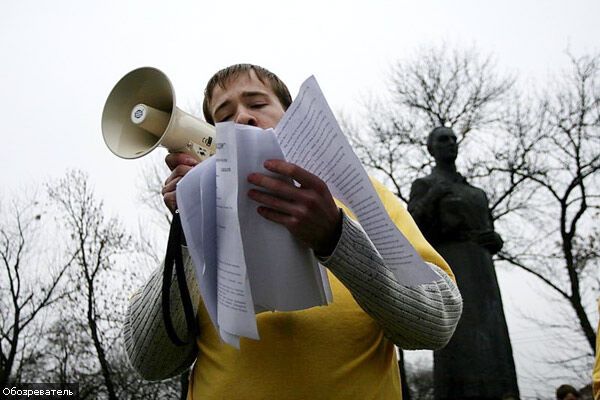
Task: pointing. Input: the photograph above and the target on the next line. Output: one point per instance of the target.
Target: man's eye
(258, 105)
(225, 118)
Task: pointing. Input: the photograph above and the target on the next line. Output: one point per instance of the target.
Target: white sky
(60, 59)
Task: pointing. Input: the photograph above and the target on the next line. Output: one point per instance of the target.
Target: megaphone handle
(200, 153)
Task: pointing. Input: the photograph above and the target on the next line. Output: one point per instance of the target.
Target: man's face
(444, 146)
(246, 100)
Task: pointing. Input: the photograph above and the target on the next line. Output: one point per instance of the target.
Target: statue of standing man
(455, 217)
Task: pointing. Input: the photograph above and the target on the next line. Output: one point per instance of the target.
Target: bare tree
(152, 175)
(437, 87)
(154, 217)
(69, 356)
(96, 241)
(104, 275)
(562, 247)
(457, 88)
(24, 295)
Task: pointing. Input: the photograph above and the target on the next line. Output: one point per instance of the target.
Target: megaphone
(140, 115)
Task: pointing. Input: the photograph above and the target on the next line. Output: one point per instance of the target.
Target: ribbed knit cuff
(413, 317)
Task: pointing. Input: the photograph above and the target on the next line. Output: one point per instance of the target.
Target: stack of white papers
(246, 264)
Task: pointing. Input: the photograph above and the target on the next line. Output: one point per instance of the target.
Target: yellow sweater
(332, 352)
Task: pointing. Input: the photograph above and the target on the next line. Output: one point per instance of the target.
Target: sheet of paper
(310, 137)
(285, 273)
(235, 306)
(196, 201)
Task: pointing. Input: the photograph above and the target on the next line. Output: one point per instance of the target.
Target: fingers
(282, 205)
(179, 164)
(176, 175)
(282, 195)
(300, 175)
(279, 187)
(168, 190)
(308, 212)
(276, 216)
(309, 184)
(175, 159)
(170, 201)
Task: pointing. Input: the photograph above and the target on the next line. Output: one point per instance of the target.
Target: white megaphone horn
(140, 114)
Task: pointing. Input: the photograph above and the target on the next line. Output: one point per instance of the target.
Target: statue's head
(442, 144)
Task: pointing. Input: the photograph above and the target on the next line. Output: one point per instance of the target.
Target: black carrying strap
(175, 257)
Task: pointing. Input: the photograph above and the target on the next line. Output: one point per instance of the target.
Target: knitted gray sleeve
(147, 344)
(421, 317)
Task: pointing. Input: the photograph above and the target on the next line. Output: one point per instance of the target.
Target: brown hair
(224, 77)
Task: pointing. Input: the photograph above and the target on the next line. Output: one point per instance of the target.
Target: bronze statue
(455, 217)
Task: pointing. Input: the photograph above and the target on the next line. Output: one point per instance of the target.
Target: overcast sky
(60, 59)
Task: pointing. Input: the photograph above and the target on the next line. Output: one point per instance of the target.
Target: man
(342, 351)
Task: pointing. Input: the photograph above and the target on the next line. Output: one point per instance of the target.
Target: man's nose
(245, 118)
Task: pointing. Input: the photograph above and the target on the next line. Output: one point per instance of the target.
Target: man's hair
(224, 77)
(563, 390)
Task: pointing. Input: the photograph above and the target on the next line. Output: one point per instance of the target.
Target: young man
(342, 351)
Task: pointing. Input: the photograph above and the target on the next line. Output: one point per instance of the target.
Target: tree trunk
(99, 349)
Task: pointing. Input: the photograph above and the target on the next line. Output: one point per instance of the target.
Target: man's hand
(308, 212)
(179, 164)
